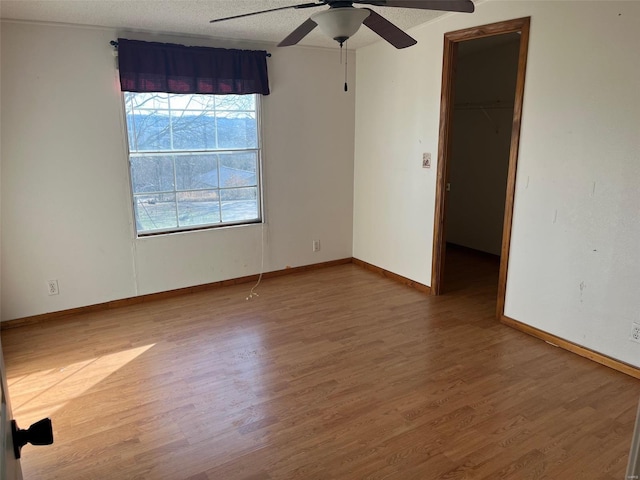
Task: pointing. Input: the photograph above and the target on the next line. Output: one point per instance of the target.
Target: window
(194, 159)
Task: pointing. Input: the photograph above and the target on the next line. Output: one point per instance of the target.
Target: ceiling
(192, 17)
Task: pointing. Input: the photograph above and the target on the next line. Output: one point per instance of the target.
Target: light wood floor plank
(335, 373)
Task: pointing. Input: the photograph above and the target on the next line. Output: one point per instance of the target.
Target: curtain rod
(114, 44)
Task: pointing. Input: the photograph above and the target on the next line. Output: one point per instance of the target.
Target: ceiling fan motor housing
(340, 23)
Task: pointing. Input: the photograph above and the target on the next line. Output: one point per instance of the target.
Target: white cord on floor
(252, 293)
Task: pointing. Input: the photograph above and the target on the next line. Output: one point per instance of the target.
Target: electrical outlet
(426, 160)
(316, 245)
(52, 287)
(635, 332)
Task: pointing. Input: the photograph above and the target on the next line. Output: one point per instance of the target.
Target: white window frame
(176, 153)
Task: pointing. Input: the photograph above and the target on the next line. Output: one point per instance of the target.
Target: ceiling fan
(342, 20)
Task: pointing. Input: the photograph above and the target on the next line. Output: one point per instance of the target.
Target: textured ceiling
(192, 17)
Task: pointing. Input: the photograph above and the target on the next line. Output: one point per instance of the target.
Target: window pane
(193, 130)
(192, 102)
(146, 101)
(237, 130)
(151, 173)
(235, 102)
(239, 204)
(238, 169)
(195, 172)
(155, 212)
(198, 208)
(150, 132)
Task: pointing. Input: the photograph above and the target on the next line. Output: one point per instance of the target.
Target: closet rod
(483, 106)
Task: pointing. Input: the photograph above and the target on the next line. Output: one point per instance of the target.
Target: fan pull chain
(346, 60)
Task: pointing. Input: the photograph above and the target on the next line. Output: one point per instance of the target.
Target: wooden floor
(330, 374)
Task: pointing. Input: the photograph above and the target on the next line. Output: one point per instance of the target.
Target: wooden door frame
(451, 41)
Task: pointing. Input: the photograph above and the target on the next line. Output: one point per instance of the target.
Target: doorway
(479, 118)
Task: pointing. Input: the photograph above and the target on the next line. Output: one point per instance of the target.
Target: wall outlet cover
(426, 160)
(52, 287)
(635, 332)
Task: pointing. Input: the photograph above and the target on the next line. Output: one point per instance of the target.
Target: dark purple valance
(171, 68)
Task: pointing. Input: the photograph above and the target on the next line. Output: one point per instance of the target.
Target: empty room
(269, 239)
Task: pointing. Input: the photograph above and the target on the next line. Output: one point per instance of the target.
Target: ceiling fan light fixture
(340, 23)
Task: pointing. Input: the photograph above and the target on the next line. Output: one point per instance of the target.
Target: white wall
(66, 205)
(574, 265)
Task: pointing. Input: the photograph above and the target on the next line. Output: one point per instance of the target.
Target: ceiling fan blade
(465, 6)
(388, 30)
(301, 5)
(299, 33)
